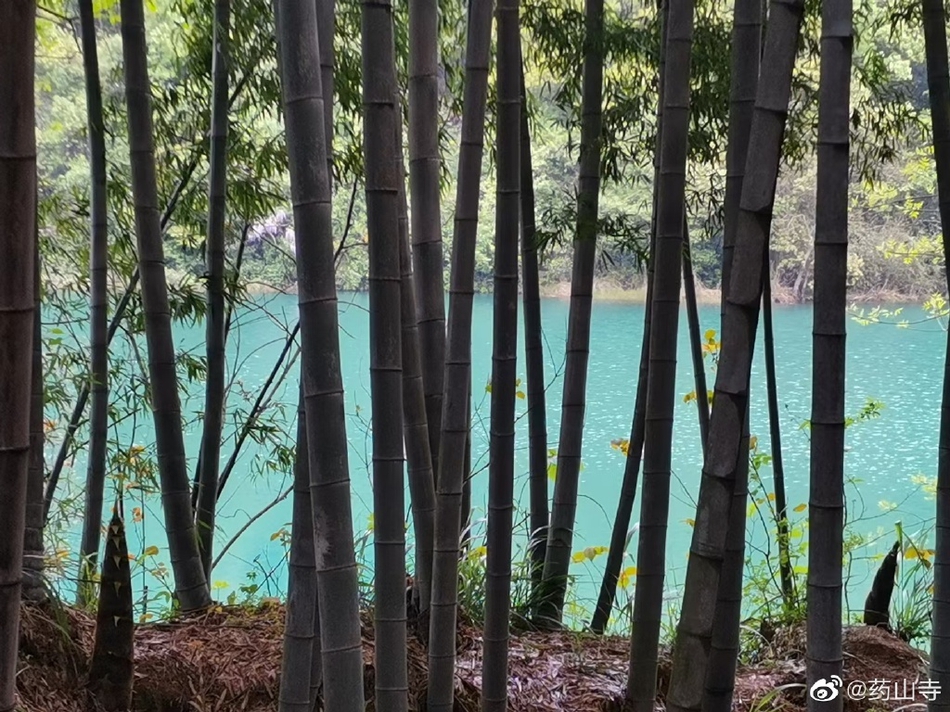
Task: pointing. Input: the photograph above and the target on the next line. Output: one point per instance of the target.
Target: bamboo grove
(364, 94)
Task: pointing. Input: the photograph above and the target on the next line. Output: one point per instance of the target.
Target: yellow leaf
(488, 387)
(151, 551)
(517, 382)
(710, 334)
(771, 496)
(800, 508)
(689, 397)
(753, 442)
(520, 395)
(275, 535)
(627, 575)
(691, 522)
(478, 552)
(590, 553)
(219, 585)
(801, 569)
(552, 471)
(911, 553)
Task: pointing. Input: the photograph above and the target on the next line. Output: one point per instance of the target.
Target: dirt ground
(229, 659)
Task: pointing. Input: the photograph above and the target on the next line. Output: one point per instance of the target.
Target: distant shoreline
(608, 292)
(712, 296)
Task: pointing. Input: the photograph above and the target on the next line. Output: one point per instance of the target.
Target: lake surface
(901, 367)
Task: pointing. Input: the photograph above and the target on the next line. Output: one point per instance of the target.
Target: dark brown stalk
(534, 358)
(191, 586)
(661, 379)
(574, 397)
(17, 306)
(335, 557)
(300, 665)
(426, 229)
(826, 488)
(216, 322)
(620, 534)
(415, 427)
(724, 645)
(501, 468)
(98, 308)
(775, 440)
(34, 586)
(383, 175)
(695, 339)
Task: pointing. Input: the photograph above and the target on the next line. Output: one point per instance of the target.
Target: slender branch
(247, 525)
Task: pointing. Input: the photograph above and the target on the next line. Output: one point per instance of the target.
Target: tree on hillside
(17, 242)
(191, 586)
(573, 400)
(98, 306)
(458, 363)
(661, 380)
(501, 466)
(739, 323)
(337, 576)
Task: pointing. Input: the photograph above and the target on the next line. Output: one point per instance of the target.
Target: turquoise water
(902, 367)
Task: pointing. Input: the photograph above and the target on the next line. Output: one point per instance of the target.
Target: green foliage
(889, 101)
(914, 587)
(772, 608)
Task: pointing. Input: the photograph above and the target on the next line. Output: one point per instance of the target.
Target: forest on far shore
(895, 249)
